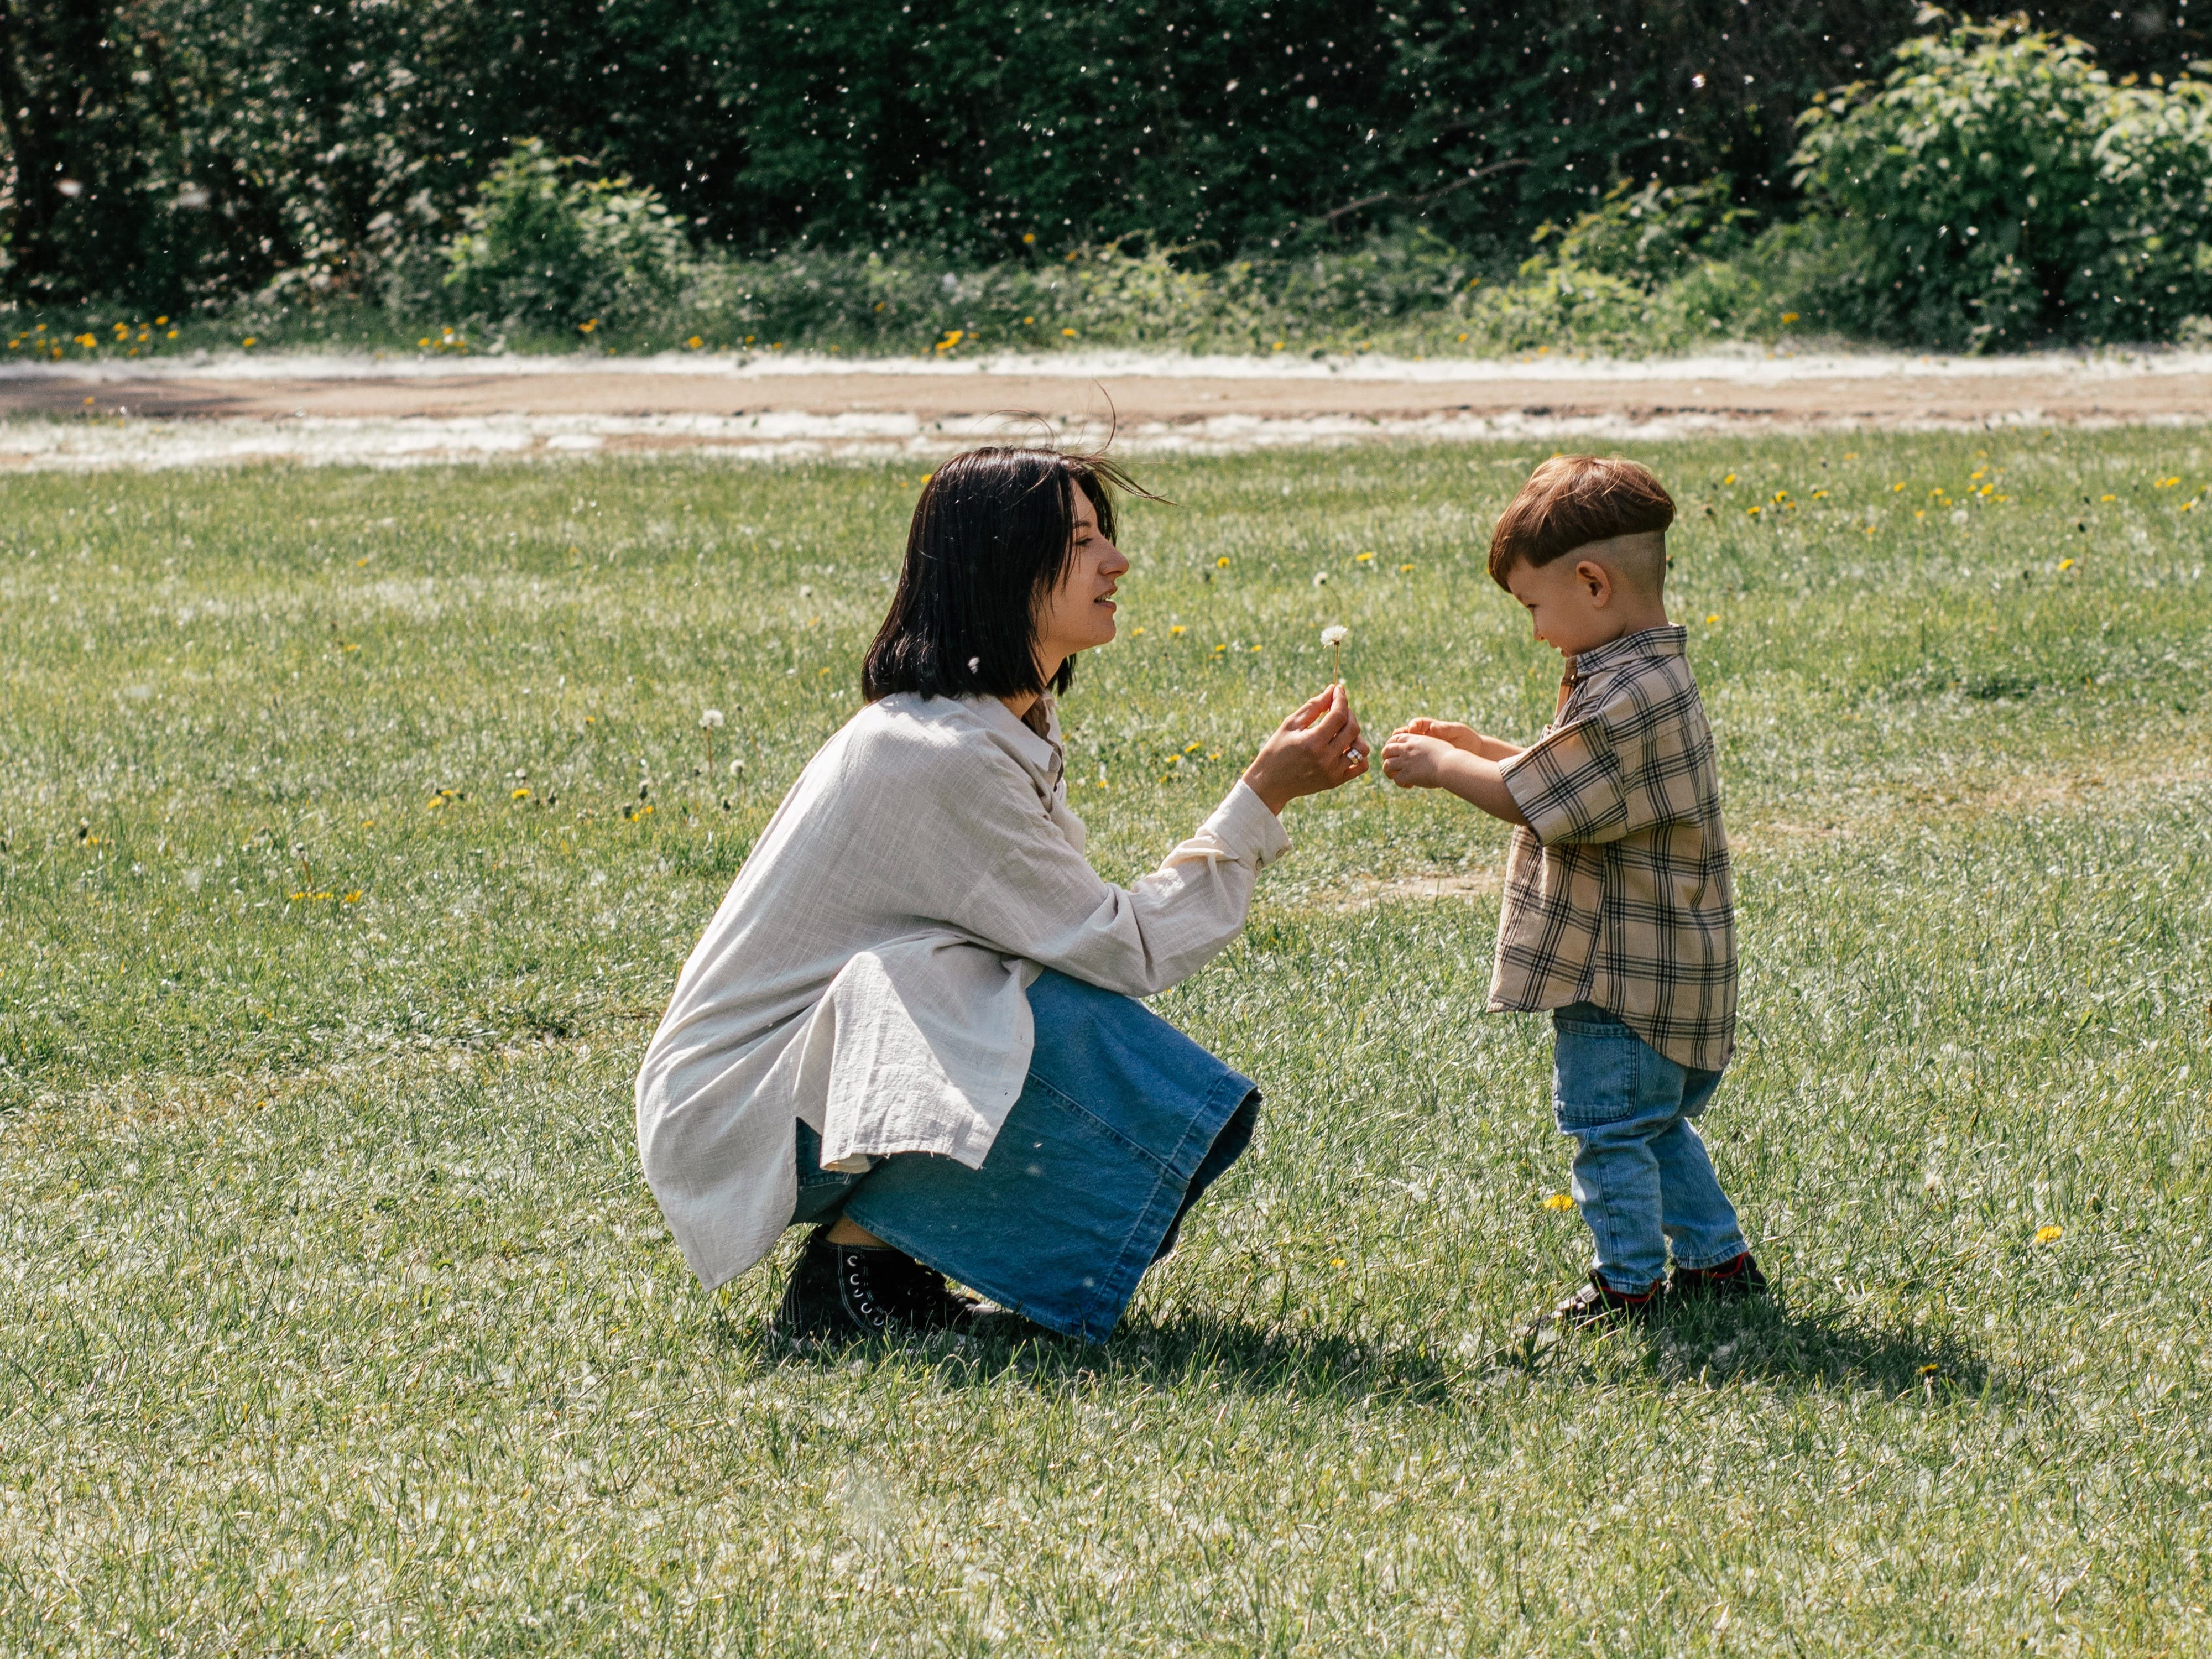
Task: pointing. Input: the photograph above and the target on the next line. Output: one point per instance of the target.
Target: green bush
(1998, 189)
(542, 247)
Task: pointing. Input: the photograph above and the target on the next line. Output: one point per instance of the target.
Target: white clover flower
(711, 719)
(1335, 634)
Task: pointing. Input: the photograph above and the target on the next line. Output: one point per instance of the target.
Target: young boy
(1618, 913)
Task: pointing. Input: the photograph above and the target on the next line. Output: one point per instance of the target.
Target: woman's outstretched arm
(1035, 895)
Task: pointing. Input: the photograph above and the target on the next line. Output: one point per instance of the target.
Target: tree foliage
(164, 153)
(1998, 187)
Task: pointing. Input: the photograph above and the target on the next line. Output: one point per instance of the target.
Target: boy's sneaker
(847, 1290)
(1597, 1301)
(1732, 1281)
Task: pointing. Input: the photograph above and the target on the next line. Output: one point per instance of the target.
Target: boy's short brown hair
(1573, 501)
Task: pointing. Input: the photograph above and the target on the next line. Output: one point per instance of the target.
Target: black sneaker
(1732, 1281)
(860, 1291)
(1597, 1301)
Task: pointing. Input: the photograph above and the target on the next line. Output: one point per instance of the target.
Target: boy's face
(1574, 604)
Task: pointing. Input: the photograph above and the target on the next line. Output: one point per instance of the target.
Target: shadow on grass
(1768, 1342)
(1169, 1353)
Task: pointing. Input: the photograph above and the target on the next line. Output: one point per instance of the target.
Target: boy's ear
(1596, 581)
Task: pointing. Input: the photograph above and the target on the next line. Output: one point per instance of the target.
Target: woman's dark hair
(992, 535)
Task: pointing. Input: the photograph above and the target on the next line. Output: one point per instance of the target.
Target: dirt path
(392, 412)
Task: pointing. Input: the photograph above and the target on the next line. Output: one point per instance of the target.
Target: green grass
(336, 1317)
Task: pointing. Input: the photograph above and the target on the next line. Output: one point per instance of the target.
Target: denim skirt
(1122, 1123)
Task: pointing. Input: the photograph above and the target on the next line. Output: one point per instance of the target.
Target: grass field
(337, 1318)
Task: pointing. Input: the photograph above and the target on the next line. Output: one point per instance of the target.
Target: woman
(913, 1021)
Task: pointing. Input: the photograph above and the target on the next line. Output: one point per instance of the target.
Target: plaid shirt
(1618, 891)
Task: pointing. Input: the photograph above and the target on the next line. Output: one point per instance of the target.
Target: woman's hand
(1318, 748)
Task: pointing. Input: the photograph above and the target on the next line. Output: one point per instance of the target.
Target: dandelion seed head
(1335, 634)
(711, 719)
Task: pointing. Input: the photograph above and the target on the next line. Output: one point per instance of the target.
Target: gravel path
(401, 411)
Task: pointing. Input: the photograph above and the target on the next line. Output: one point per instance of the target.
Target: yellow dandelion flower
(1067, 334)
(1897, 490)
(1788, 316)
(2066, 564)
(1363, 558)
(1729, 479)
(1222, 563)
(695, 343)
(2049, 1235)
(522, 794)
(1177, 628)
(1558, 1201)
(1403, 568)
(1135, 632)
(1709, 621)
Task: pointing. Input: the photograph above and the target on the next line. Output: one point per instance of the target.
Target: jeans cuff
(1721, 1260)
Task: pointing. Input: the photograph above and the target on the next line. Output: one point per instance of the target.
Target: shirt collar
(1667, 639)
(1040, 755)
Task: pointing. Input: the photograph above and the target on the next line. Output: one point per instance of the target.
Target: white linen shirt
(868, 971)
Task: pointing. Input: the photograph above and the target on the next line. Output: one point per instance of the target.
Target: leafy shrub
(1998, 188)
(543, 246)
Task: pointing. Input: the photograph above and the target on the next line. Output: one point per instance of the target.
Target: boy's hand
(1465, 738)
(1414, 760)
(1458, 736)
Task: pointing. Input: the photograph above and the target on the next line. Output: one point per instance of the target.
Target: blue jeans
(1122, 1123)
(1641, 1175)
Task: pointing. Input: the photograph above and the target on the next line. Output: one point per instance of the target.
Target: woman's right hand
(1318, 748)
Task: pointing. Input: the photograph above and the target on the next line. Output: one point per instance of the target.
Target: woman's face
(1078, 614)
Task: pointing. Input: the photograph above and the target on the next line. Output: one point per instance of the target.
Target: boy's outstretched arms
(1419, 756)
(1461, 737)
